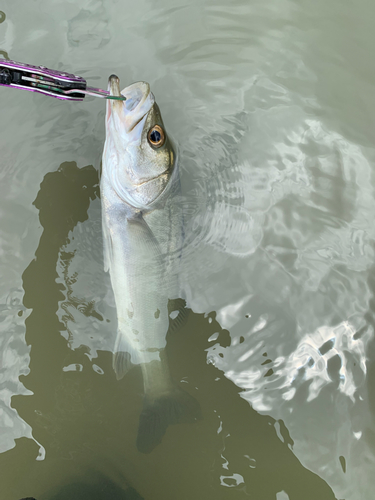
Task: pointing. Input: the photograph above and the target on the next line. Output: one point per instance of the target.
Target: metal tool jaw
(64, 86)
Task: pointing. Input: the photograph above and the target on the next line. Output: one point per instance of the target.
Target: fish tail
(157, 414)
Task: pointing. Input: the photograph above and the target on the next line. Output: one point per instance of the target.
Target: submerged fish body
(142, 232)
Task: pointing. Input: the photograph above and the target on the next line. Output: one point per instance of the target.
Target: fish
(142, 224)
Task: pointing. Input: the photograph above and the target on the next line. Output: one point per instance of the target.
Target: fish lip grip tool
(60, 85)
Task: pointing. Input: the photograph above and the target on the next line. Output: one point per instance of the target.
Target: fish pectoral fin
(145, 244)
(157, 414)
(124, 356)
(121, 364)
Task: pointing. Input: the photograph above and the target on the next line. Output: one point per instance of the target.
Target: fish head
(138, 156)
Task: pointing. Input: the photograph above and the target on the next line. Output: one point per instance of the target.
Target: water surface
(272, 107)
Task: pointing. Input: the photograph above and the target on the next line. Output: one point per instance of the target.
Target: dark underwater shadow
(87, 422)
(56, 403)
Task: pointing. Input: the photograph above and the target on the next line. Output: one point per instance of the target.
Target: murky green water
(272, 106)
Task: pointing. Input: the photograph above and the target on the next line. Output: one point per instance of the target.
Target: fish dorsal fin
(178, 315)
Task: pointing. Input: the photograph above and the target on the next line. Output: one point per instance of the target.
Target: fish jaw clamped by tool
(61, 85)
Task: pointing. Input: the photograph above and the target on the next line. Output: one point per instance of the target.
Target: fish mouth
(128, 114)
(114, 85)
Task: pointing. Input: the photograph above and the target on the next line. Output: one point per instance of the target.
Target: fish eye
(156, 136)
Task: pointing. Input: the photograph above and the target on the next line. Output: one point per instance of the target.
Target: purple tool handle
(58, 84)
(43, 71)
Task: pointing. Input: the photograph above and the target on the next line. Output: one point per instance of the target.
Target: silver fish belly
(141, 254)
